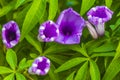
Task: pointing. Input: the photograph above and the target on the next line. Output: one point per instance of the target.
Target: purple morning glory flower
(10, 34)
(40, 66)
(70, 25)
(98, 16)
(48, 31)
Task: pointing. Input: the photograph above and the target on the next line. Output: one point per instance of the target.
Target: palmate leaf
(79, 49)
(82, 72)
(4, 70)
(11, 58)
(20, 77)
(71, 76)
(34, 14)
(94, 71)
(53, 7)
(86, 4)
(10, 77)
(70, 63)
(23, 64)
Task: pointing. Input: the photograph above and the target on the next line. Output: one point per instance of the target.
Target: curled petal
(70, 25)
(91, 30)
(40, 66)
(10, 34)
(100, 29)
(48, 31)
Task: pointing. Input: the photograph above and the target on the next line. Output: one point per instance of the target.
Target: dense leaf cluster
(90, 60)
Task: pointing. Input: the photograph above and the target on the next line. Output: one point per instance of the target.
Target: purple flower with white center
(40, 66)
(10, 34)
(48, 31)
(98, 16)
(70, 25)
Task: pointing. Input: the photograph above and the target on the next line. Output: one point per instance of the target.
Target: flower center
(50, 31)
(10, 35)
(42, 65)
(100, 13)
(67, 31)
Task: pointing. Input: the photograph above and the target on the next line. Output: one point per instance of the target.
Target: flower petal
(98, 16)
(10, 34)
(70, 25)
(48, 31)
(40, 66)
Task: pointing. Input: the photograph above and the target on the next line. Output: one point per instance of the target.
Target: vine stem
(27, 75)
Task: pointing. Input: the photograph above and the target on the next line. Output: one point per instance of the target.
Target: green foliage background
(90, 60)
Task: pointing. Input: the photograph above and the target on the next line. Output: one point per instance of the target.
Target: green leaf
(7, 8)
(19, 2)
(11, 58)
(29, 62)
(114, 67)
(3, 3)
(112, 70)
(20, 76)
(34, 42)
(34, 14)
(71, 76)
(94, 44)
(33, 55)
(53, 7)
(118, 14)
(94, 71)
(117, 55)
(86, 5)
(71, 63)
(10, 77)
(4, 70)
(109, 46)
(103, 54)
(53, 76)
(57, 58)
(114, 27)
(23, 64)
(79, 49)
(2, 56)
(108, 3)
(82, 72)
(20, 15)
(55, 48)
